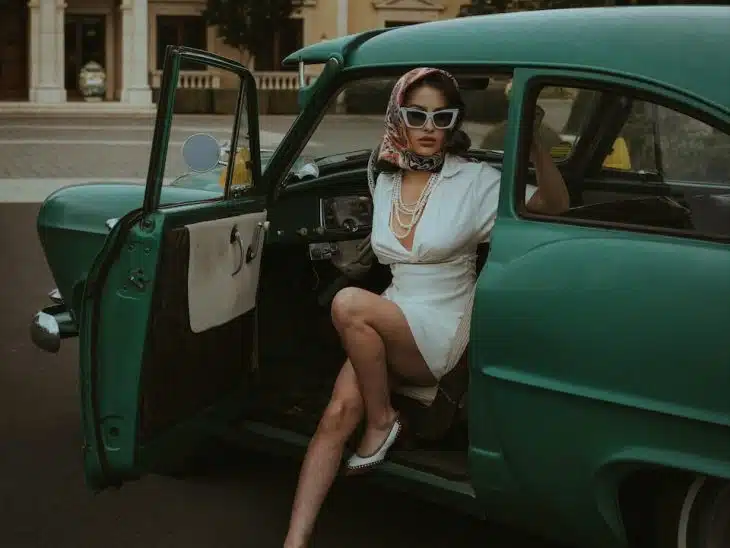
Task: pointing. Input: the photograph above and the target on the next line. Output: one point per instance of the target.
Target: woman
(431, 209)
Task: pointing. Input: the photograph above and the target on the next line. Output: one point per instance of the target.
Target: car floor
(297, 405)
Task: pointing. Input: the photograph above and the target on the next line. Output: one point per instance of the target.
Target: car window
(181, 174)
(675, 146)
(684, 165)
(562, 112)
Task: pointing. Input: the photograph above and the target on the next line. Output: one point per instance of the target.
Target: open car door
(167, 333)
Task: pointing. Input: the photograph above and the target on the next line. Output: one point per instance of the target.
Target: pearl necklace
(414, 210)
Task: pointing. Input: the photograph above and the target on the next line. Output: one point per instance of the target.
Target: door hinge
(138, 279)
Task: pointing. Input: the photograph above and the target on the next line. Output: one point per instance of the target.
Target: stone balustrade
(190, 79)
(265, 81)
(280, 81)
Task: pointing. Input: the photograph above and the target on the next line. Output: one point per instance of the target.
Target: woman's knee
(348, 306)
(341, 416)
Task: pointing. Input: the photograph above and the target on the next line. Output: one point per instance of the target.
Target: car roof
(682, 47)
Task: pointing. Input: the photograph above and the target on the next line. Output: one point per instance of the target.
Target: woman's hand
(551, 197)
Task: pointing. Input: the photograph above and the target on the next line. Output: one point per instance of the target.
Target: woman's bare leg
(372, 327)
(324, 454)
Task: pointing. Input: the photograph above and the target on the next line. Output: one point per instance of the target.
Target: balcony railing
(265, 81)
(190, 79)
(275, 81)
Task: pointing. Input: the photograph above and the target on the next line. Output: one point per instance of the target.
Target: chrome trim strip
(55, 296)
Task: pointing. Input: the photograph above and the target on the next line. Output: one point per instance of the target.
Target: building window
(181, 30)
(288, 39)
(391, 24)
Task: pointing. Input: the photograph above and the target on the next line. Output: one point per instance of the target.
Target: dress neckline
(416, 229)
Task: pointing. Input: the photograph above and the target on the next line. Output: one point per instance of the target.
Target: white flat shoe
(357, 463)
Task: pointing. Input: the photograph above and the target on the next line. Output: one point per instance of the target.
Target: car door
(600, 334)
(168, 316)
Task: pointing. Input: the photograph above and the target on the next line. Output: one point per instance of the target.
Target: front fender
(72, 225)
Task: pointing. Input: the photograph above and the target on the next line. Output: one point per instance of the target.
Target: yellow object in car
(619, 157)
(561, 151)
(241, 170)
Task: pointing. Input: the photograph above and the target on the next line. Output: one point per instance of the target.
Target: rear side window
(676, 146)
(661, 169)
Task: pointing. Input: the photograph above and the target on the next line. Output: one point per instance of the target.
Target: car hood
(210, 180)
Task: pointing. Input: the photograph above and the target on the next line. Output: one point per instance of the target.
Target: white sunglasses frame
(429, 117)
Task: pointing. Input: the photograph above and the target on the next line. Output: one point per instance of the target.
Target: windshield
(355, 120)
(354, 123)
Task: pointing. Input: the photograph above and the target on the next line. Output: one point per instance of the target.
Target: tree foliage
(485, 7)
(249, 24)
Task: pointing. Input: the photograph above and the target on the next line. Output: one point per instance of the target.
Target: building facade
(44, 43)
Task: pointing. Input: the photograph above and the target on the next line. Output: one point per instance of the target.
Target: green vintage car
(204, 314)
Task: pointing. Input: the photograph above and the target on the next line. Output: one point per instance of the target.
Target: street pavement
(245, 502)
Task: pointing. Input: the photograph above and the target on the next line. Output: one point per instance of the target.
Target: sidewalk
(75, 108)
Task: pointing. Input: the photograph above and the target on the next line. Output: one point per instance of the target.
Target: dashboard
(334, 207)
(346, 213)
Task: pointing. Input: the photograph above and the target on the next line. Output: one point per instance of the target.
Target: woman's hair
(457, 141)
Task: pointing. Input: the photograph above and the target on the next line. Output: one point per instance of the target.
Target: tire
(693, 512)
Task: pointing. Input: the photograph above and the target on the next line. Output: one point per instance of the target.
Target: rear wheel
(693, 512)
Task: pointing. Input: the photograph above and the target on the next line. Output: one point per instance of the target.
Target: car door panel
(222, 278)
(195, 357)
(167, 329)
(591, 344)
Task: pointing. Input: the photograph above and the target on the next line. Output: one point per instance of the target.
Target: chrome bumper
(52, 324)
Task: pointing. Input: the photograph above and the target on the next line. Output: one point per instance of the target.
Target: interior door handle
(236, 238)
(253, 249)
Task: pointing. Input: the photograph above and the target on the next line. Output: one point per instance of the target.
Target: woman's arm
(551, 197)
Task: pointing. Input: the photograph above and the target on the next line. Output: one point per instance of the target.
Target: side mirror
(201, 152)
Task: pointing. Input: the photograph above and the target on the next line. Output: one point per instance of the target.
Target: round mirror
(201, 152)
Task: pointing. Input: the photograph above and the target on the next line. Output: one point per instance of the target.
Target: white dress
(433, 283)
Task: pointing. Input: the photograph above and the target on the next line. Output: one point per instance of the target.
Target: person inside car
(432, 206)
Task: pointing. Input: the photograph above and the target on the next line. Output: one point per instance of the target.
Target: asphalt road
(43, 499)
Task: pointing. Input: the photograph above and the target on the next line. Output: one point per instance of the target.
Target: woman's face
(428, 140)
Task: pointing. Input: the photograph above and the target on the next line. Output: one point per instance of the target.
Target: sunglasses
(416, 118)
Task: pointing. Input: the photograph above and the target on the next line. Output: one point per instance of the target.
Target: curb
(73, 114)
(8, 109)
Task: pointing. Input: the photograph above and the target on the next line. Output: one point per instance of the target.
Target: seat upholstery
(432, 414)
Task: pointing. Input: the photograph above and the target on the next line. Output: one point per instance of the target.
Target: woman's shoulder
(470, 170)
(384, 182)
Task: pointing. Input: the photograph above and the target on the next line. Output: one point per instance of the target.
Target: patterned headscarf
(395, 147)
